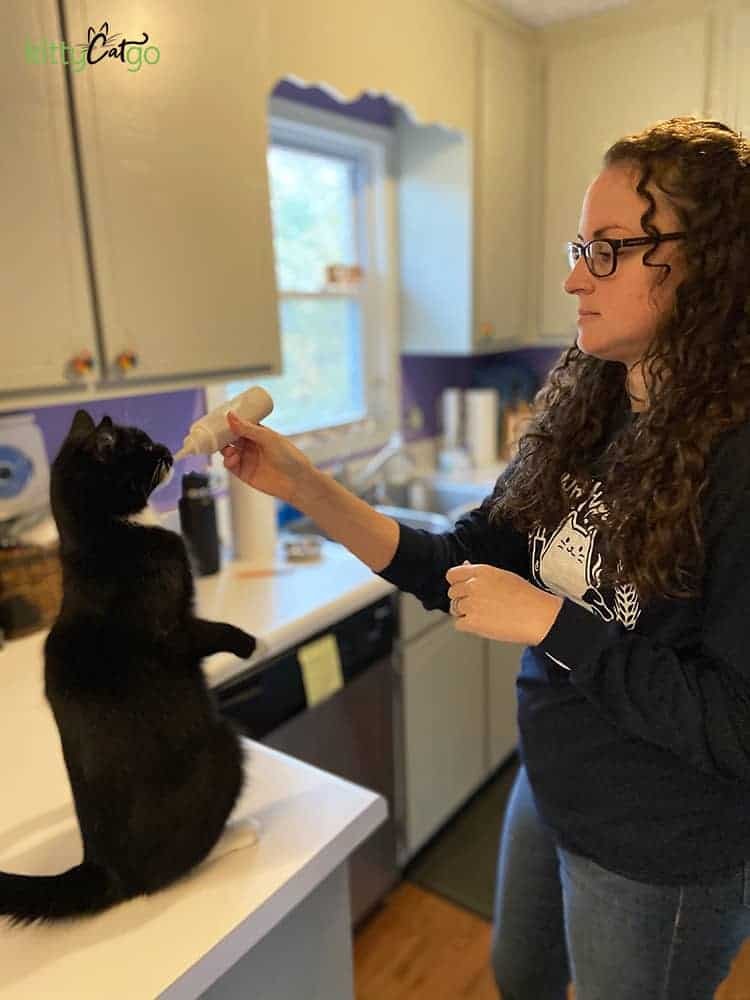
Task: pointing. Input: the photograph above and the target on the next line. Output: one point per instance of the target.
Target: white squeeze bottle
(212, 432)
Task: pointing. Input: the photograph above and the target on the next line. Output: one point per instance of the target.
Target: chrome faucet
(371, 478)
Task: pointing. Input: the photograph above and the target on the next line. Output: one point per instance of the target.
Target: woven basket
(30, 589)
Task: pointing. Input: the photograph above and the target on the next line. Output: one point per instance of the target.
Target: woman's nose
(579, 279)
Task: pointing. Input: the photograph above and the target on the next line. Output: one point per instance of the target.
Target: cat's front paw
(243, 644)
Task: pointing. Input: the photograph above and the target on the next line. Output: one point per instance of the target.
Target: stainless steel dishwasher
(350, 734)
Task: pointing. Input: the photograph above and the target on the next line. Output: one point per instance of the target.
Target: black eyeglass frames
(601, 254)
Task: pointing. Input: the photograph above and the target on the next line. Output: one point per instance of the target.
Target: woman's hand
(266, 460)
(496, 604)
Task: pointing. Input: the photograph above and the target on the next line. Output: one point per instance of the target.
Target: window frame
(374, 148)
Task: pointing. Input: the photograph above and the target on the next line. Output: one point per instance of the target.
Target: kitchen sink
(426, 519)
(417, 504)
(439, 497)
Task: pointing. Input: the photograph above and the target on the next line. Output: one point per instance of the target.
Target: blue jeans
(560, 917)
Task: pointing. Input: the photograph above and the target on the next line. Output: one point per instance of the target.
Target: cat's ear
(105, 441)
(105, 423)
(82, 425)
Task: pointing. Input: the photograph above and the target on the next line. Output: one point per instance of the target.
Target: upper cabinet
(506, 172)
(606, 77)
(742, 108)
(466, 210)
(140, 249)
(731, 83)
(173, 158)
(436, 238)
(47, 317)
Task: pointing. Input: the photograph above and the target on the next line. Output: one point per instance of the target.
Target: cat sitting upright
(154, 770)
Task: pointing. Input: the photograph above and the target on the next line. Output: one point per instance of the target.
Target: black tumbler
(198, 523)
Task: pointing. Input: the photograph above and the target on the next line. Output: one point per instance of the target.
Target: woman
(616, 546)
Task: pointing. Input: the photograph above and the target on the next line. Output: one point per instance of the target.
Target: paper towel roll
(253, 517)
(482, 409)
(451, 405)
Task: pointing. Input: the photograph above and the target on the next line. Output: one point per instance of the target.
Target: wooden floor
(419, 946)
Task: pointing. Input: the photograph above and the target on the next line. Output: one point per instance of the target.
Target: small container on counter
(198, 523)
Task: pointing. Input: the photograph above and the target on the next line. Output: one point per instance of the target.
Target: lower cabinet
(443, 730)
(454, 714)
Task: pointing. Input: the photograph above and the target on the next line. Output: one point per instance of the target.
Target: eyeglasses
(601, 255)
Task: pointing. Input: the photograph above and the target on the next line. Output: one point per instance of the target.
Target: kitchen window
(332, 203)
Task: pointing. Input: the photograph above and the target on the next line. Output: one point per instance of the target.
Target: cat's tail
(78, 892)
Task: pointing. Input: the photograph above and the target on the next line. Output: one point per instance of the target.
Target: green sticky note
(321, 668)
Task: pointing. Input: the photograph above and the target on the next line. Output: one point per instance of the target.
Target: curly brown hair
(656, 466)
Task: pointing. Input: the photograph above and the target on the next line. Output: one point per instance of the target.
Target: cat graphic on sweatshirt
(566, 561)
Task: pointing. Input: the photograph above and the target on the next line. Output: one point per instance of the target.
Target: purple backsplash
(424, 378)
(165, 417)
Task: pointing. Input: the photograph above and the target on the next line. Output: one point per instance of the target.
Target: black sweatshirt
(634, 720)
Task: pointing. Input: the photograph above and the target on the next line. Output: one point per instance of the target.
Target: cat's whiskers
(155, 476)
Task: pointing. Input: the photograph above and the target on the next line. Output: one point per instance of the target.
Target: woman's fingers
(237, 424)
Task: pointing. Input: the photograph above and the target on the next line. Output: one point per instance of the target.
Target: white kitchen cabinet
(732, 85)
(414, 618)
(507, 164)
(444, 733)
(465, 210)
(174, 169)
(503, 665)
(436, 238)
(606, 77)
(47, 315)
(743, 71)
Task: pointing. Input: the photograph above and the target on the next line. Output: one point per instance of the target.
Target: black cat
(153, 768)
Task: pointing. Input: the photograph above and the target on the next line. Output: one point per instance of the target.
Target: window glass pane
(324, 381)
(312, 207)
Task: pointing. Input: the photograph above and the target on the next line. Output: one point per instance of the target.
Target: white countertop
(285, 609)
(185, 936)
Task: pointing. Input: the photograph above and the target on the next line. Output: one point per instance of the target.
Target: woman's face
(627, 305)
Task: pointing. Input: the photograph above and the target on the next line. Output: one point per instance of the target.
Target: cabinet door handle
(126, 360)
(81, 366)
